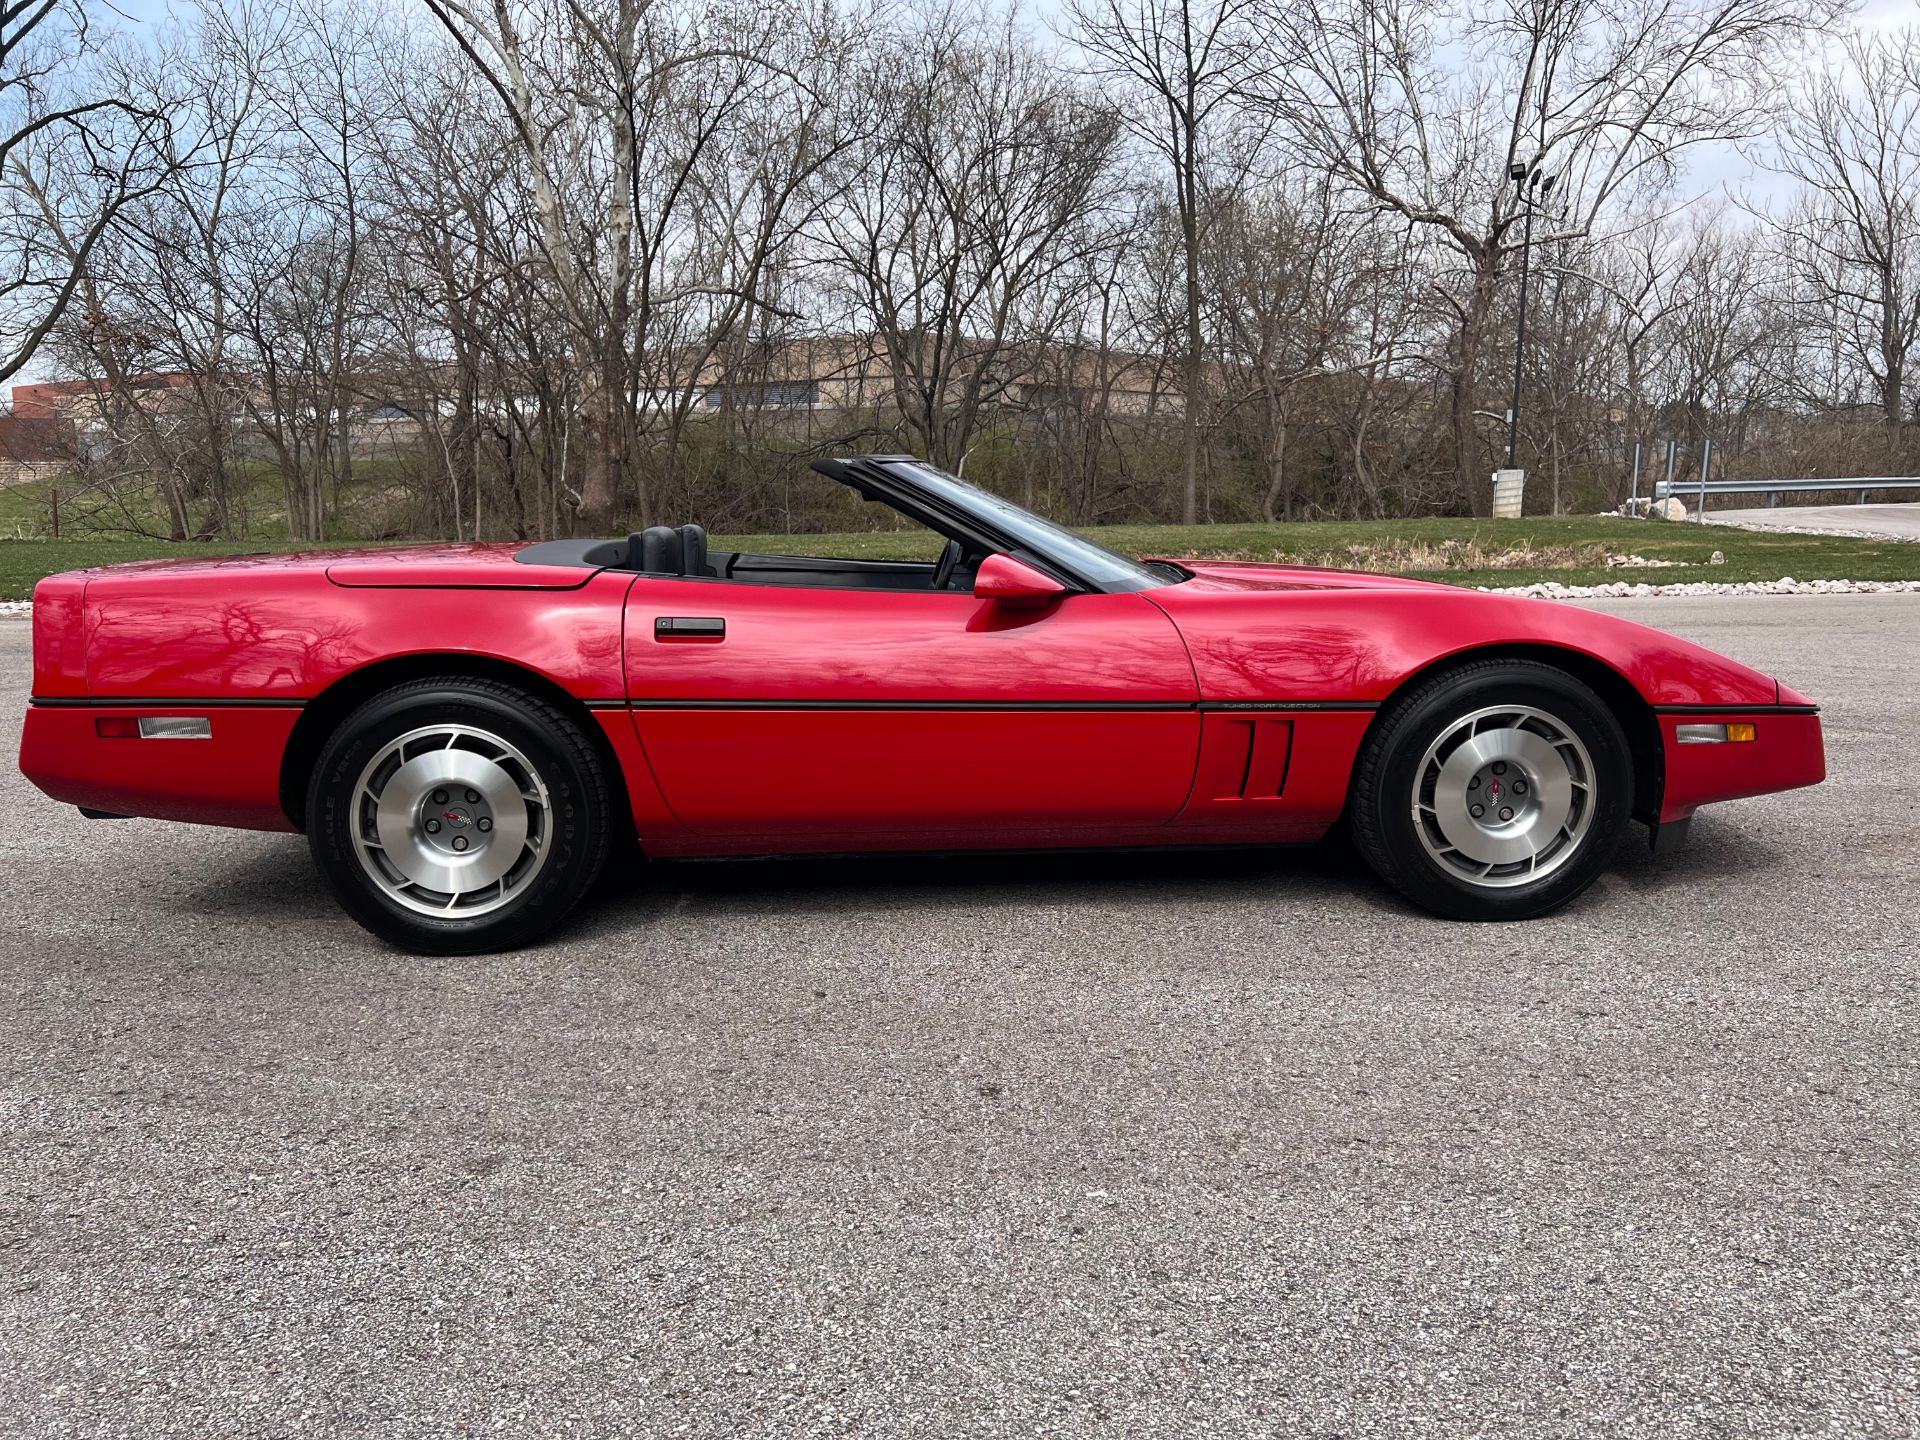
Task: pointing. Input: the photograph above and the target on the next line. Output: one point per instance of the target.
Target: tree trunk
(1556, 467)
(599, 484)
(1362, 469)
(1476, 488)
(179, 525)
(1474, 482)
(1278, 488)
(1195, 377)
(296, 517)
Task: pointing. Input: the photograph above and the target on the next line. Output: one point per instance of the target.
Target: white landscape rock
(1624, 590)
(1641, 562)
(1654, 509)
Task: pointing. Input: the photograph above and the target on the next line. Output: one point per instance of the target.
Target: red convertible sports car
(467, 733)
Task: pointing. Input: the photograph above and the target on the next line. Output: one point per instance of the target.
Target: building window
(774, 394)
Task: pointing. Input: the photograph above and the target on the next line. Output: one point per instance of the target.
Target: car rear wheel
(1495, 791)
(453, 816)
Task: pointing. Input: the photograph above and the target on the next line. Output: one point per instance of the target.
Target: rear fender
(60, 635)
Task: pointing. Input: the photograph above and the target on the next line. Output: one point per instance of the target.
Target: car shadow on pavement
(1018, 877)
(1328, 874)
(1716, 849)
(273, 879)
(272, 875)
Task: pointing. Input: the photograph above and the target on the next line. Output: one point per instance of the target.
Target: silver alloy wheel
(1504, 796)
(450, 820)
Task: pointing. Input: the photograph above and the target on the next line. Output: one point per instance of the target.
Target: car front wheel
(1496, 791)
(455, 816)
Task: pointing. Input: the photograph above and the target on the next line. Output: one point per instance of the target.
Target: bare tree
(74, 151)
(1851, 236)
(1719, 363)
(963, 220)
(1182, 60)
(510, 268)
(1427, 112)
(151, 289)
(1296, 276)
(618, 107)
(1097, 390)
(728, 275)
(1572, 367)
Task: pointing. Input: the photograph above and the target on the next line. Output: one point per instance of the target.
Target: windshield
(1079, 554)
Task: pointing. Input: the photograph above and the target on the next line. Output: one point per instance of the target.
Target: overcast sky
(1715, 172)
(1722, 169)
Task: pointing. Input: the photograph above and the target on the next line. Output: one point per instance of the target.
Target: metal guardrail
(1774, 489)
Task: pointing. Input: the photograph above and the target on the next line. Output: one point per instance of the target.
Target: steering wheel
(949, 562)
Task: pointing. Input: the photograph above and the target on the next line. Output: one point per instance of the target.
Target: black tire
(1382, 800)
(578, 820)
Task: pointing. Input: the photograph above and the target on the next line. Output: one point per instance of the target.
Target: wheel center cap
(458, 819)
(1498, 795)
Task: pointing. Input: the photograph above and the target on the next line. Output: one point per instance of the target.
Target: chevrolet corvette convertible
(469, 735)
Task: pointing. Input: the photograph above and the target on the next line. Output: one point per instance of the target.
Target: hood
(1277, 633)
(1254, 575)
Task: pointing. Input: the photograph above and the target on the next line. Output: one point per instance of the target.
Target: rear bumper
(232, 778)
(1787, 752)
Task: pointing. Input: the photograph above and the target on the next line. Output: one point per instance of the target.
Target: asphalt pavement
(1890, 522)
(1124, 1146)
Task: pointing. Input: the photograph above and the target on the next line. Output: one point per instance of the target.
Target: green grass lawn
(1572, 550)
(1467, 552)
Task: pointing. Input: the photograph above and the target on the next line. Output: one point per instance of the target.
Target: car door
(790, 711)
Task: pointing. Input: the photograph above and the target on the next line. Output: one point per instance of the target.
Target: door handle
(689, 627)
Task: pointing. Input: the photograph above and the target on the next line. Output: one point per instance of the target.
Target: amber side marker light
(1739, 733)
(153, 727)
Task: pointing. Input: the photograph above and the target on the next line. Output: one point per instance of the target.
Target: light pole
(1531, 186)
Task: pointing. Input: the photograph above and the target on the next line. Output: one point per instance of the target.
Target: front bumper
(1787, 752)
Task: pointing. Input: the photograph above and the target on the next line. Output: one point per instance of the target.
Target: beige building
(33, 449)
(62, 422)
(854, 373)
(797, 384)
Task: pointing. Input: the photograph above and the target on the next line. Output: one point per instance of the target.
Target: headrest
(657, 551)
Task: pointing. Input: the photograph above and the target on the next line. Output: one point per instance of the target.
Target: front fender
(1359, 645)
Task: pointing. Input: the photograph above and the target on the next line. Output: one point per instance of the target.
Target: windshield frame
(931, 495)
